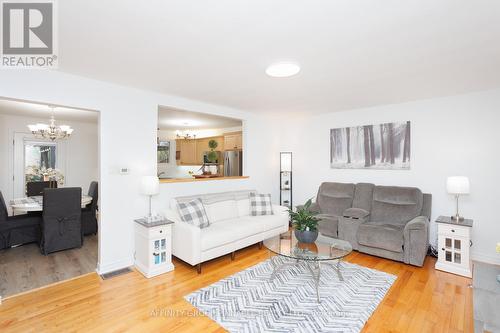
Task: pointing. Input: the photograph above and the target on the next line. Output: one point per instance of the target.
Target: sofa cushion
(396, 204)
(383, 235)
(232, 230)
(334, 198)
(243, 206)
(221, 210)
(363, 196)
(328, 225)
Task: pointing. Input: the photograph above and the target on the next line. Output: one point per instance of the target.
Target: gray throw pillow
(260, 204)
(193, 212)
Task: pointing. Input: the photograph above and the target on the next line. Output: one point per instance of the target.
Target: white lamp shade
(150, 185)
(458, 185)
(286, 162)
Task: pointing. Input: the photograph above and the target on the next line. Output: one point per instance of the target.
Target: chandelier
(51, 131)
(186, 135)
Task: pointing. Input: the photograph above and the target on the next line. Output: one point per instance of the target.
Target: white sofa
(231, 227)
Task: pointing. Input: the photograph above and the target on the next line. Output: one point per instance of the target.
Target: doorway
(69, 161)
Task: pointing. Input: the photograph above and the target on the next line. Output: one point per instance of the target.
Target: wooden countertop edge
(191, 180)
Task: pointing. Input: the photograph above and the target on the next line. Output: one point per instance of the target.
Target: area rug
(250, 302)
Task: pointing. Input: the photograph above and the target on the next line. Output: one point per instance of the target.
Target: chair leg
(260, 245)
(233, 254)
(198, 268)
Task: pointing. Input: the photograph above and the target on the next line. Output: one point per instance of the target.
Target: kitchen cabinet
(190, 152)
(233, 141)
(187, 149)
(202, 146)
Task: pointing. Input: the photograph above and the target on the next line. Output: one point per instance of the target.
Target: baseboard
(489, 259)
(113, 266)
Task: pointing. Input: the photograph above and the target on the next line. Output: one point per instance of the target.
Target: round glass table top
(324, 248)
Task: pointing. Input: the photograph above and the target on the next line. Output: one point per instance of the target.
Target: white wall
(128, 123)
(450, 136)
(81, 156)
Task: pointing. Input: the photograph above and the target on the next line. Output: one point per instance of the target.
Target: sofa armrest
(186, 240)
(355, 213)
(416, 240)
(280, 210)
(313, 208)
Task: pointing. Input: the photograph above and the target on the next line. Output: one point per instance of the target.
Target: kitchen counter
(189, 180)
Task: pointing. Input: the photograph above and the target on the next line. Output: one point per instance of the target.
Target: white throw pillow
(222, 210)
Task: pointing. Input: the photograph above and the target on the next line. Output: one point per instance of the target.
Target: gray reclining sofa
(385, 221)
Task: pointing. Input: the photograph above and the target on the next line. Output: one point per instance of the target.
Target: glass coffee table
(325, 250)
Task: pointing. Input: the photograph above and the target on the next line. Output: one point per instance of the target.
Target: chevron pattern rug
(249, 302)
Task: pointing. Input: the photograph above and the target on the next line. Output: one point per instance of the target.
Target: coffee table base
(314, 267)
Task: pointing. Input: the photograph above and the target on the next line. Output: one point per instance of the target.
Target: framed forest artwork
(382, 146)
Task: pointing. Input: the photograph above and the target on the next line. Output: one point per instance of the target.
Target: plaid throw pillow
(260, 204)
(193, 212)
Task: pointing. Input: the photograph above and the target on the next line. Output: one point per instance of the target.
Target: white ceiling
(353, 53)
(172, 119)
(25, 109)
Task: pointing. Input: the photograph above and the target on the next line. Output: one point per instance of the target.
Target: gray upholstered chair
(36, 188)
(19, 229)
(62, 223)
(386, 221)
(89, 213)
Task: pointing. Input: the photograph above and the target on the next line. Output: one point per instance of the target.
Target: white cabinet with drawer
(153, 247)
(454, 242)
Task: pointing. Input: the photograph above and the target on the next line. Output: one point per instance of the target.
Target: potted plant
(305, 223)
(212, 155)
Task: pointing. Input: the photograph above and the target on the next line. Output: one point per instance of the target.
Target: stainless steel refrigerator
(233, 163)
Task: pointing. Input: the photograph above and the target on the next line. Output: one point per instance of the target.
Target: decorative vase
(306, 236)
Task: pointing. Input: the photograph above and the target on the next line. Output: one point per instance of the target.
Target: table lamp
(150, 186)
(457, 186)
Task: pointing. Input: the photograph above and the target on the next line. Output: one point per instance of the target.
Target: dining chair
(36, 188)
(89, 213)
(19, 229)
(61, 224)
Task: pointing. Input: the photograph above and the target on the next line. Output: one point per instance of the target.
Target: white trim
(486, 258)
(113, 266)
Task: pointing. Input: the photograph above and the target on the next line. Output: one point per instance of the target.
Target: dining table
(35, 203)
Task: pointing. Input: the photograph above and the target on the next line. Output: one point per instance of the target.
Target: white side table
(153, 247)
(454, 242)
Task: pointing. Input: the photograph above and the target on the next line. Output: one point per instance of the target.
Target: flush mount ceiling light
(283, 69)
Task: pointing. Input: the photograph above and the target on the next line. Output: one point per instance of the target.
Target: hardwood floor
(421, 300)
(23, 268)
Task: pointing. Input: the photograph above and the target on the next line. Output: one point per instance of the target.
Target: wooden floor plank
(24, 268)
(421, 300)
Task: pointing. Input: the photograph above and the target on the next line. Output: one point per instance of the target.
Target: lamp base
(457, 218)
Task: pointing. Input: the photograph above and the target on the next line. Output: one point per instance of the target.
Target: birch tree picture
(383, 146)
